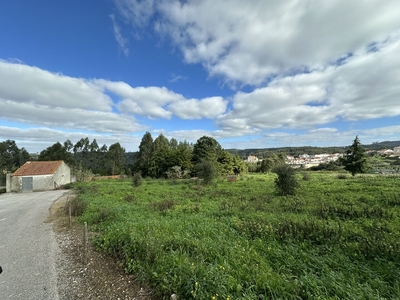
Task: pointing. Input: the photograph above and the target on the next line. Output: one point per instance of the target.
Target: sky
(250, 73)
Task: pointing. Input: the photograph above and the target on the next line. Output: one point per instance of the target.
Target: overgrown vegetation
(137, 179)
(286, 182)
(336, 239)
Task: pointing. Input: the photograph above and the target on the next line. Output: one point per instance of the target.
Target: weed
(131, 198)
(164, 205)
(306, 176)
(78, 206)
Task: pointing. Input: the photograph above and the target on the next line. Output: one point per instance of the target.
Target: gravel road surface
(28, 247)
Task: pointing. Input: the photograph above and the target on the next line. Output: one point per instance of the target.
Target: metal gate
(27, 184)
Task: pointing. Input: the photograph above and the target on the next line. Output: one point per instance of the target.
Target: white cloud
(38, 139)
(74, 118)
(197, 109)
(145, 101)
(34, 96)
(365, 86)
(160, 102)
(122, 42)
(25, 84)
(176, 78)
(138, 12)
(250, 41)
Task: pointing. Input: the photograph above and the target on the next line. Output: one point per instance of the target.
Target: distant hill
(382, 145)
(261, 153)
(295, 151)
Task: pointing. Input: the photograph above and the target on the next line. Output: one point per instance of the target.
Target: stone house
(39, 176)
(252, 159)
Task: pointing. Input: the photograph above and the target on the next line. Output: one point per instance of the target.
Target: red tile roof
(38, 168)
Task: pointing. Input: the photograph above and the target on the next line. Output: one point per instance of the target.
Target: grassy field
(339, 238)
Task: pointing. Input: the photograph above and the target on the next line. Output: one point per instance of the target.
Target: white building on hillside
(252, 159)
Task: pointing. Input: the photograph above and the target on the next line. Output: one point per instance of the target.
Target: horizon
(270, 148)
(252, 75)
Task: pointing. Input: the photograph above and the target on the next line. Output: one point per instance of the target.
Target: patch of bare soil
(101, 278)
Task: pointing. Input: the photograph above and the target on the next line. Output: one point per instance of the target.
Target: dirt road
(28, 248)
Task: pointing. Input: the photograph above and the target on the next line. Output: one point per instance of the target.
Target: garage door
(27, 184)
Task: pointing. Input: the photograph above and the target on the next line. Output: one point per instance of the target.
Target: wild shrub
(342, 176)
(392, 201)
(131, 198)
(67, 186)
(78, 206)
(292, 204)
(306, 176)
(164, 205)
(377, 240)
(314, 231)
(269, 199)
(226, 206)
(255, 228)
(351, 211)
(286, 183)
(137, 179)
(207, 170)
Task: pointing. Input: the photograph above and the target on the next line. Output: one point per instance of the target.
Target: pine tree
(355, 160)
(146, 150)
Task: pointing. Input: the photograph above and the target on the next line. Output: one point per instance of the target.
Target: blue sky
(252, 74)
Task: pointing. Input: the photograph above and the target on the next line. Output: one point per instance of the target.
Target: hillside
(264, 152)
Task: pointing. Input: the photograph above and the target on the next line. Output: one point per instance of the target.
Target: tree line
(160, 157)
(156, 158)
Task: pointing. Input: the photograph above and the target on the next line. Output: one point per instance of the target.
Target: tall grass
(336, 239)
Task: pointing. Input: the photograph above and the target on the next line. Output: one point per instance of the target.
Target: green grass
(336, 239)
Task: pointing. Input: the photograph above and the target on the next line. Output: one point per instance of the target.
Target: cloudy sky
(250, 73)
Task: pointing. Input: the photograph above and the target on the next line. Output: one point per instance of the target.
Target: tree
(145, 153)
(226, 163)
(286, 183)
(207, 170)
(68, 145)
(11, 158)
(94, 147)
(206, 148)
(159, 162)
(23, 156)
(180, 156)
(239, 165)
(173, 144)
(116, 159)
(161, 143)
(355, 161)
(56, 152)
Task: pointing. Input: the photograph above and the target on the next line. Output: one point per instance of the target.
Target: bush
(137, 179)
(78, 206)
(286, 183)
(207, 170)
(306, 176)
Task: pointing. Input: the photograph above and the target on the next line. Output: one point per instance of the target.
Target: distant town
(311, 160)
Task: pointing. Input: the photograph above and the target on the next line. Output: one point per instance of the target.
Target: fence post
(85, 244)
(70, 215)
